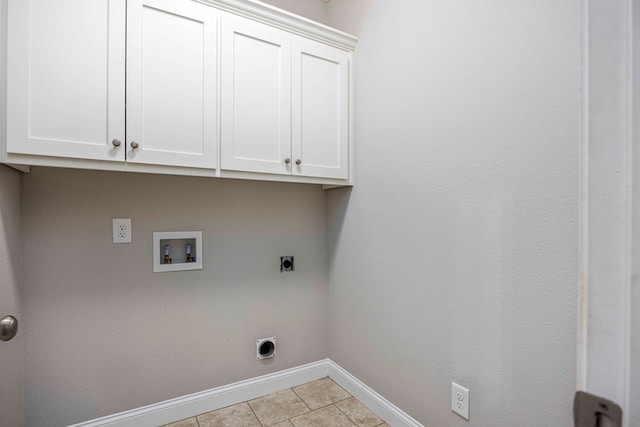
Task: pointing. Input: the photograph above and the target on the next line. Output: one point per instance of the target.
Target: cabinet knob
(116, 143)
(134, 145)
(287, 160)
(298, 162)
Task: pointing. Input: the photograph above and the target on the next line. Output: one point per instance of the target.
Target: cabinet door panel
(256, 97)
(171, 83)
(66, 64)
(320, 110)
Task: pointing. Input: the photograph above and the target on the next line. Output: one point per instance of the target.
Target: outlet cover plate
(460, 400)
(121, 230)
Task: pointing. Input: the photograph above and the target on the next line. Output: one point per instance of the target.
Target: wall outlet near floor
(121, 230)
(460, 400)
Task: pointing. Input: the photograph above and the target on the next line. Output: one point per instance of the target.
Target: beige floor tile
(284, 424)
(329, 416)
(323, 392)
(189, 422)
(239, 415)
(278, 407)
(359, 414)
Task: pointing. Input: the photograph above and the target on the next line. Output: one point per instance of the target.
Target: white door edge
(606, 207)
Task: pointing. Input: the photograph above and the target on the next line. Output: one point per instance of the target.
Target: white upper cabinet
(67, 73)
(320, 124)
(285, 103)
(66, 81)
(256, 97)
(171, 83)
(224, 88)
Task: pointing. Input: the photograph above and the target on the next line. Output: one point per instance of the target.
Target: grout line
(382, 422)
(348, 417)
(301, 399)
(254, 413)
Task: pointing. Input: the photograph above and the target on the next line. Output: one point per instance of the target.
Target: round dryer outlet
(265, 348)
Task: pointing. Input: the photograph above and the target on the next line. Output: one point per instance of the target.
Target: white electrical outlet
(460, 400)
(122, 230)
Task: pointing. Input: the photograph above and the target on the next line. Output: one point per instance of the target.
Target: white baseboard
(190, 405)
(386, 410)
(220, 397)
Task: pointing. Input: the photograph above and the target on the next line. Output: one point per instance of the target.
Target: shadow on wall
(337, 202)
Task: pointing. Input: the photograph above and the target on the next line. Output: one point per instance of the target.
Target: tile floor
(321, 403)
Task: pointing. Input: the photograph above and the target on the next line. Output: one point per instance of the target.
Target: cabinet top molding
(284, 20)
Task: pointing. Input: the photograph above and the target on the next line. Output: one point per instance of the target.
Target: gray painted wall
(634, 393)
(455, 256)
(316, 10)
(348, 15)
(11, 352)
(103, 333)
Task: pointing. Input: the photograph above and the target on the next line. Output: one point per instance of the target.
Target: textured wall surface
(103, 333)
(455, 256)
(348, 15)
(634, 395)
(11, 352)
(316, 10)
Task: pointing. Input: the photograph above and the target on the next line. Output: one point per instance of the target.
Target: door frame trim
(606, 200)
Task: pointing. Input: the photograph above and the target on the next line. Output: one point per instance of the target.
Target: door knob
(134, 145)
(116, 142)
(8, 328)
(298, 162)
(287, 160)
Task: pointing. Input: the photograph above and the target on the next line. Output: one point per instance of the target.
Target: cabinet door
(320, 140)
(65, 75)
(171, 83)
(256, 97)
